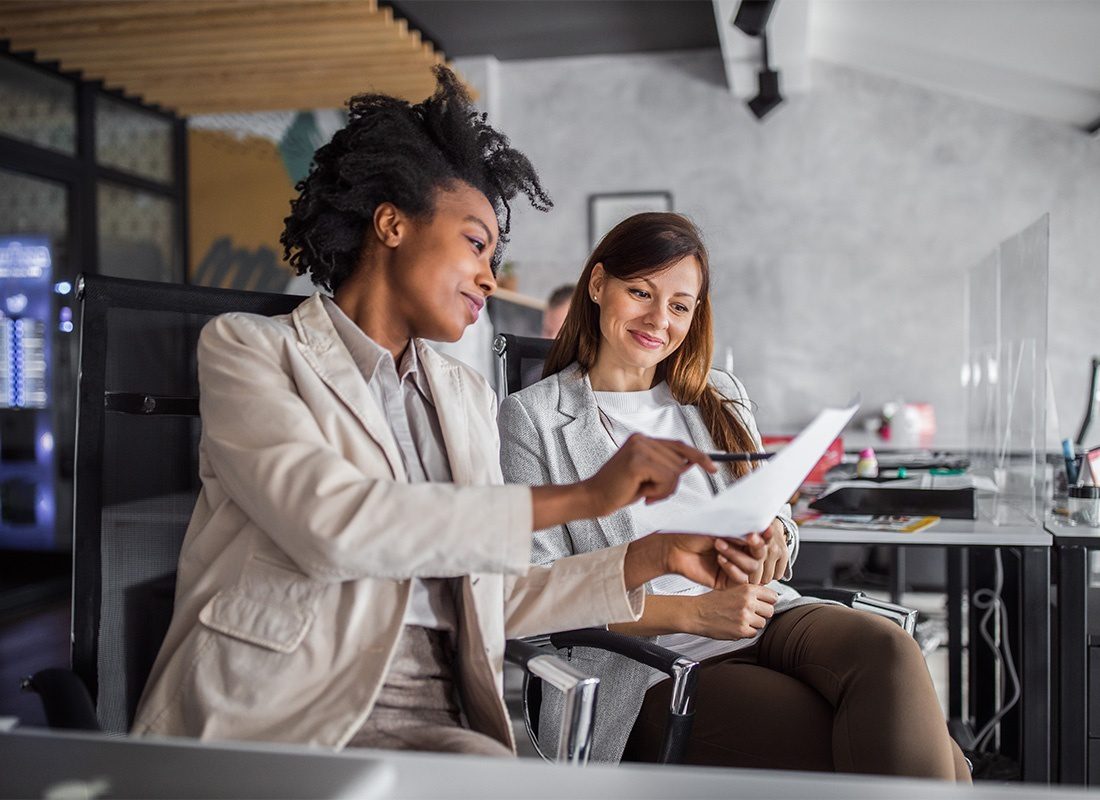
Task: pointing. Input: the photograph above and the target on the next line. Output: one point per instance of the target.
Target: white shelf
(509, 296)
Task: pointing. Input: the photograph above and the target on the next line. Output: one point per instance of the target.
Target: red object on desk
(833, 455)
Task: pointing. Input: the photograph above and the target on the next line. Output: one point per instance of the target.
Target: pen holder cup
(1084, 505)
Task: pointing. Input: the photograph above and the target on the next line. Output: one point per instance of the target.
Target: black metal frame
(99, 295)
(1077, 663)
(1026, 731)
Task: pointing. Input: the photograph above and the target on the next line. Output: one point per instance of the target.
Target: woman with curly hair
(353, 563)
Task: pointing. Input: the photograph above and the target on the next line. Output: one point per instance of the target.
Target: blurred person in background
(557, 306)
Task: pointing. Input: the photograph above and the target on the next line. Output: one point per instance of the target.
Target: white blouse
(656, 413)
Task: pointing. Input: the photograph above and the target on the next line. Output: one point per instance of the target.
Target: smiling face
(439, 270)
(643, 320)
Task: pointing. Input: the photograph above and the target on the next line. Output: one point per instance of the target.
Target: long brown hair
(640, 246)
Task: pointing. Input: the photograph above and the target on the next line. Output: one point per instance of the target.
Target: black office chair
(136, 481)
(519, 364)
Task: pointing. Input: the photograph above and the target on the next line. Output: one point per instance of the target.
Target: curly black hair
(402, 153)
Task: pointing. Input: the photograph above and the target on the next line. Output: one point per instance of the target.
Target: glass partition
(1005, 376)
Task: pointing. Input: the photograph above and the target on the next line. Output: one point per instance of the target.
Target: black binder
(947, 503)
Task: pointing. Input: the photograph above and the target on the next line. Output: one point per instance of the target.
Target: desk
(175, 767)
(1078, 624)
(946, 532)
(1030, 629)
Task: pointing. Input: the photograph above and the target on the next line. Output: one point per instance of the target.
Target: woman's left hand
(773, 566)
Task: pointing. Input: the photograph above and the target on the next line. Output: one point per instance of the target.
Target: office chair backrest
(519, 364)
(519, 361)
(136, 475)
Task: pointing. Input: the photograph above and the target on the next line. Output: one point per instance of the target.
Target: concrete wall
(840, 228)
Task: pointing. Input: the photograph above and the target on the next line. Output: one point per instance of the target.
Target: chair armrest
(65, 699)
(902, 615)
(683, 672)
(575, 736)
(648, 653)
(845, 596)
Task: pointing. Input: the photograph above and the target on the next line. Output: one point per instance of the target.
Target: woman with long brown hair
(786, 681)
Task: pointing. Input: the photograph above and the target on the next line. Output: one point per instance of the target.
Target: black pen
(739, 456)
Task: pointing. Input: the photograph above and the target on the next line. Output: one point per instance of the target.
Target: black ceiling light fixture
(752, 19)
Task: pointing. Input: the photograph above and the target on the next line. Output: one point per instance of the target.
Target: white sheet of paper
(750, 504)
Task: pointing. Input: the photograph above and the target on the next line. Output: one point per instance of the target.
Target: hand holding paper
(749, 505)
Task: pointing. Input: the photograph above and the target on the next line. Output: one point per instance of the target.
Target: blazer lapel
(449, 398)
(588, 446)
(320, 345)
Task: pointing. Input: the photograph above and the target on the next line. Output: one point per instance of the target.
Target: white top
(656, 413)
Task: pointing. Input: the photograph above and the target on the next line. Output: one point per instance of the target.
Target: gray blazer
(551, 433)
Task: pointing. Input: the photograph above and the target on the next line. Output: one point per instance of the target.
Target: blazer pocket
(275, 627)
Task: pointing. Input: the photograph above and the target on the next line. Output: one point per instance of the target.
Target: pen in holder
(1071, 462)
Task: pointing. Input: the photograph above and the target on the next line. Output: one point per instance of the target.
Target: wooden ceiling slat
(51, 12)
(197, 16)
(365, 26)
(273, 70)
(209, 56)
(308, 99)
(261, 79)
(220, 41)
(186, 63)
(182, 63)
(346, 85)
(196, 63)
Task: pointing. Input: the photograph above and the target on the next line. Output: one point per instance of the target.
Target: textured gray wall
(840, 229)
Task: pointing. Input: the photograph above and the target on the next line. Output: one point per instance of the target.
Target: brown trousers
(417, 707)
(825, 688)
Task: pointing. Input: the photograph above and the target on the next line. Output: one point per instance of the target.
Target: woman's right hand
(739, 612)
(643, 467)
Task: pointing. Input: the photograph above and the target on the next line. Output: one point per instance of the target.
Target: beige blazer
(294, 574)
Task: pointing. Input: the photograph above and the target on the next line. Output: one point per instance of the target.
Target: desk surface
(172, 768)
(945, 532)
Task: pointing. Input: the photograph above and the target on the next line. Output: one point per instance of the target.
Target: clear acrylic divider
(1004, 377)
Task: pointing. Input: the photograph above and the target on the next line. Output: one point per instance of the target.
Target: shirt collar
(369, 355)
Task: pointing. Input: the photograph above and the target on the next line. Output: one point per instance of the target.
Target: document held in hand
(750, 504)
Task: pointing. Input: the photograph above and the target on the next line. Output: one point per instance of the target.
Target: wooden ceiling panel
(201, 56)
